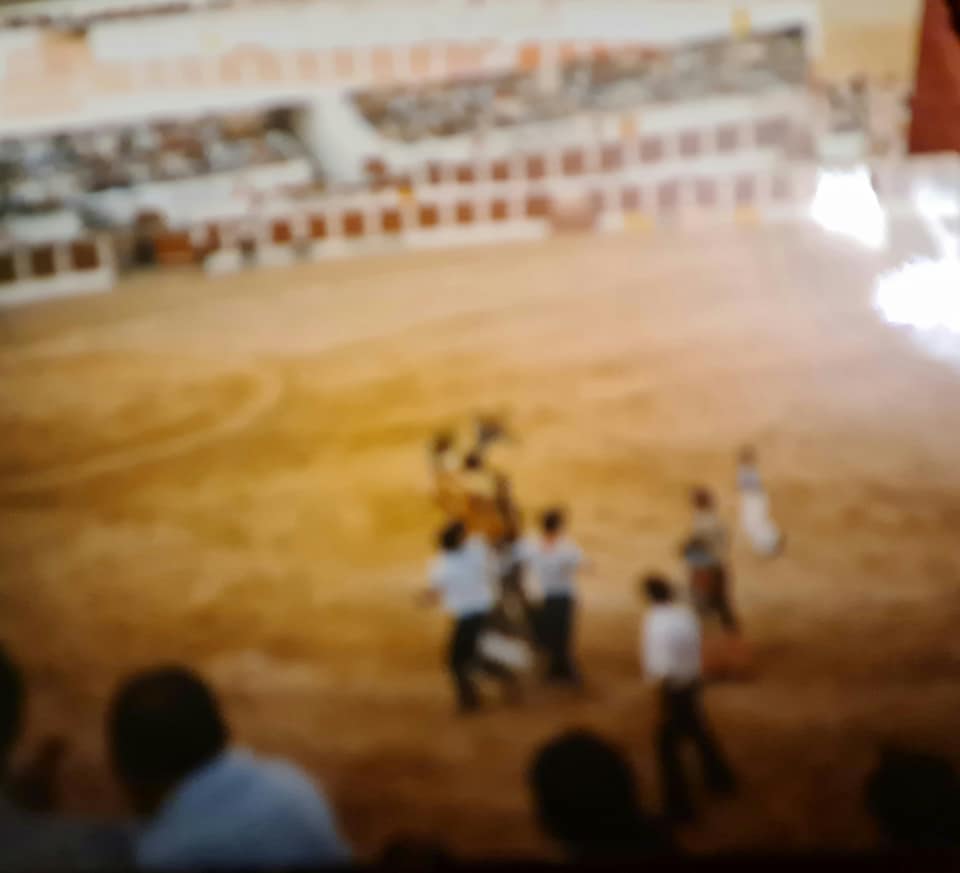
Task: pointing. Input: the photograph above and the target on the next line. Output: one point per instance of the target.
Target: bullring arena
(229, 471)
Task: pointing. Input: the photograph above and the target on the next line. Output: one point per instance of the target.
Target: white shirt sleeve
(655, 647)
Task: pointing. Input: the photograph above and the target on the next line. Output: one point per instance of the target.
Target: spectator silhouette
(31, 836)
(206, 805)
(586, 799)
(915, 799)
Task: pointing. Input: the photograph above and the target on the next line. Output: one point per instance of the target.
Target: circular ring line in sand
(268, 390)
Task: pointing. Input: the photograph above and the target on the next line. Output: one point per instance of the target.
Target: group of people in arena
(502, 587)
(498, 583)
(485, 571)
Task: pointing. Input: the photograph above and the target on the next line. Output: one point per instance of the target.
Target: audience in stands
(32, 837)
(616, 81)
(40, 173)
(585, 797)
(206, 805)
(915, 800)
(671, 655)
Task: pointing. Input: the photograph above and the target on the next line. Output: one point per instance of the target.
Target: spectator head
(586, 798)
(702, 498)
(914, 798)
(11, 706)
(553, 521)
(163, 724)
(473, 461)
(657, 590)
(453, 536)
(748, 456)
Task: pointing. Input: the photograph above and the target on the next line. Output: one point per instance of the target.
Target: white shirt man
(553, 564)
(670, 644)
(553, 561)
(670, 650)
(464, 578)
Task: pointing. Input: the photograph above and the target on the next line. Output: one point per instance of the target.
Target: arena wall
(371, 222)
(31, 273)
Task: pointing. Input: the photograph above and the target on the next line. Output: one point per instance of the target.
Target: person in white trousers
(755, 518)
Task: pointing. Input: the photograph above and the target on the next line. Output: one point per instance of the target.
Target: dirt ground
(231, 473)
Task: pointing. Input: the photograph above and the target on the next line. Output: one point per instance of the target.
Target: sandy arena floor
(231, 473)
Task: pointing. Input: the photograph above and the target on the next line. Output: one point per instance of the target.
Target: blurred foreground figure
(586, 799)
(915, 800)
(208, 806)
(755, 519)
(462, 576)
(30, 837)
(670, 649)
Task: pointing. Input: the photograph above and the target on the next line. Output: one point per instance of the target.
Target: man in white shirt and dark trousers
(554, 560)
(463, 576)
(671, 656)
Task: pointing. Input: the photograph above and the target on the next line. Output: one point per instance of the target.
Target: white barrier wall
(185, 202)
(346, 24)
(450, 214)
(29, 274)
(743, 190)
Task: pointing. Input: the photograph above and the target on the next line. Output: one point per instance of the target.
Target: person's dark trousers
(517, 613)
(721, 601)
(556, 629)
(465, 657)
(682, 719)
(714, 599)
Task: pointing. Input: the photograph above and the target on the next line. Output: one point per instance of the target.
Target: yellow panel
(637, 222)
(405, 193)
(747, 216)
(740, 24)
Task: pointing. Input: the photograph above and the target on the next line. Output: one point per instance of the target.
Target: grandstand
(201, 137)
(339, 149)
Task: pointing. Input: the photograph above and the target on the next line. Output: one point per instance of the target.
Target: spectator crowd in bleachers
(41, 173)
(613, 81)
